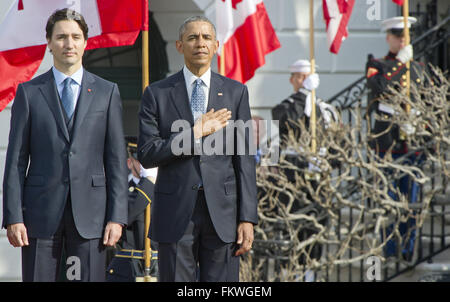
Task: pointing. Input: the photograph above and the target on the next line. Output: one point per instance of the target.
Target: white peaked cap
(301, 66)
(396, 23)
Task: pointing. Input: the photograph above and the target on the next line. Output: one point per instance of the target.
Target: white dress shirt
(190, 79)
(76, 83)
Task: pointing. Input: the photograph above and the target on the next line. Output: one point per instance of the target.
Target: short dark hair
(183, 26)
(65, 14)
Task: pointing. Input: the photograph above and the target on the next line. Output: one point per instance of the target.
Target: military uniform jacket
(381, 74)
(289, 111)
(134, 235)
(126, 269)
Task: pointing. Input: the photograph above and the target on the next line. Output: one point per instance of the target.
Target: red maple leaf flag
(247, 35)
(337, 14)
(399, 2)
(22, 32)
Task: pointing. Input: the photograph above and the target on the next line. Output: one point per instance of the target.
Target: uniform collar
(391, 56)
(133, 178)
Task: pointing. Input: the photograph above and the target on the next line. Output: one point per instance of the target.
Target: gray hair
(183, 26)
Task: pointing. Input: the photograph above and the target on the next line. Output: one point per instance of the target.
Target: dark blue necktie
(68, 98)
(198, 100)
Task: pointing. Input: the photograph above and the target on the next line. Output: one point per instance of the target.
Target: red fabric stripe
(342, 31)
(326, 15)
(245, 50)
(112, 40)
(399, 2)
(117, 16)
(17, 66)
(145, 14)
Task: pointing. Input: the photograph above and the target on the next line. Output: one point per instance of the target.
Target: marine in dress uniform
(298, 107)
(128, 262)
(390, 71)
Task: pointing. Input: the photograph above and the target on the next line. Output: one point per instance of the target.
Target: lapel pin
(220, 94)
(89, 89)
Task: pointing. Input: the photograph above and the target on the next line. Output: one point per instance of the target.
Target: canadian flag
(337, 14)
(22, 32)
(246, 33)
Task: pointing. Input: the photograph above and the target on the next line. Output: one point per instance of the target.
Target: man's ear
(179, 46)
(217, 46)
(48, 45)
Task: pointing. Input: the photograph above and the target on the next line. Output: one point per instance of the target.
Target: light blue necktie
(198, 100)
(68, 97)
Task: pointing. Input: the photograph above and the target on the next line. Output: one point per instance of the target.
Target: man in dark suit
(205, 205)
(65, 184)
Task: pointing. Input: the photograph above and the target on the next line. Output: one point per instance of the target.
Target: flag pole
(145, 60)
(312, 121)
(407, 41)
(222, 61)
(145, 83)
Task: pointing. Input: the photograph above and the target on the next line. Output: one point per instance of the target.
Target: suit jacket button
(195, 187)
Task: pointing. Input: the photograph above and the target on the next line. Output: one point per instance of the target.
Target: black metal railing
(434, 236)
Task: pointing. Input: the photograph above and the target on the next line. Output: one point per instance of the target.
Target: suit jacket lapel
(48, 89)
(84, 101)
(180, 99)
(215, 93)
